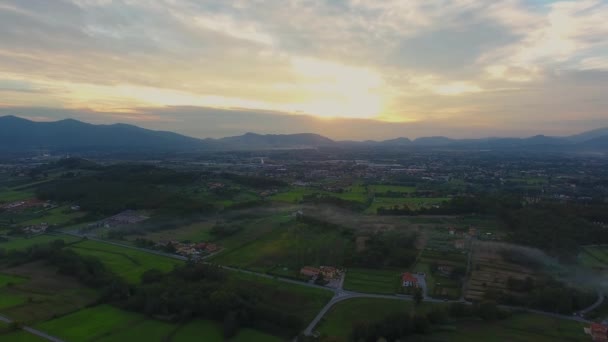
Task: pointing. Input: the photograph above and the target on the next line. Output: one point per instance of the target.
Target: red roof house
(408, 280)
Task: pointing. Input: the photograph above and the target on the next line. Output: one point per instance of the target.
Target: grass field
(125, 262)
(6, 279)
(8, 196)
(372, 280)
(413, 202)
(381, 188)
(23, 243)
(42, 293)
(194, 232)
(20, 336)
(518, 328)
(209, 331)
(292, 245)
(338, 322)
(357, 193)
(56, 216)
(145, 330)
(91, 323)
(302, 301)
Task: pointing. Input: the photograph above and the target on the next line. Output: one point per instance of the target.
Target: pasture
(56, 216)
(125, 262)
(41, 293)
(338, 322)
(383, 188)
(16, 243)
(521, 327)
(91, 323)
(414, 203)
(290, 245)
(8, 196)
(205, 330)
(372, 280)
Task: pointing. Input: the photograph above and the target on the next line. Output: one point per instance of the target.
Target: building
(310, 271)
(598, 332)
(408, 280)
(329, 272)
(459, 244)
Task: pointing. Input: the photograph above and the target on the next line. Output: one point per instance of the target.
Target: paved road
(598, 302)
(33, 331)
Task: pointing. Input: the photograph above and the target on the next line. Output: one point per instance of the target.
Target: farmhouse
(329, 272)
(408, 280)
(598, 332)
(310, 271)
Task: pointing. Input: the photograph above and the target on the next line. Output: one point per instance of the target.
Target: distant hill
(272, 141)
(72, 135)
(17, 134)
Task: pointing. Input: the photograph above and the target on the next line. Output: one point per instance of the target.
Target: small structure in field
(598, 332)
(310, 271)
(408, 280)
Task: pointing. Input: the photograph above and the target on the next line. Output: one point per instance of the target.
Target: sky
(347, 69)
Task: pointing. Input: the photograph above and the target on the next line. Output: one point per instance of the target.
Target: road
(33, 331)
(342, 295)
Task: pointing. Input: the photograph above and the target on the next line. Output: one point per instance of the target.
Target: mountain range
(18, 134)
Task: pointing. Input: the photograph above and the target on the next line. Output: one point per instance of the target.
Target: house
(598, 332)
(211, 247)
(459, 244)
(329, 272)
(310, 271)
(472, 232)
(408, 280)
(451, 230)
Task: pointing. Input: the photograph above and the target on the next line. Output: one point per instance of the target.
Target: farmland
(372, 280)
(24, 242)
(127, 263)
(291, 245)
(338, 322)
(518, 328)
(40, 293)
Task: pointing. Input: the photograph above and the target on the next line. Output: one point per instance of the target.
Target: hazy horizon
(354, 69)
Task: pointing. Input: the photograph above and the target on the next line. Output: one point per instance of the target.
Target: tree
(231, 324)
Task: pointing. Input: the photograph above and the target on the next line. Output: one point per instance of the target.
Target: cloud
(489, 63)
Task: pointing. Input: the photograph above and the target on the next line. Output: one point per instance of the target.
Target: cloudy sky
(349, 69)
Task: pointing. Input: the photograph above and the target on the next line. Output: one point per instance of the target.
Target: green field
(194, 232)
(381, 188)
(125, 262)
(290, 245)
(338, 322)
(518, 328)
(20, 336)
(8, 196)
(56, 216)
(105, 323)
(413, 202)
(302, 301)
(91, 323)
(372, 280)
(357, 193)
(209, 331)
(23, 243)
(6, 279)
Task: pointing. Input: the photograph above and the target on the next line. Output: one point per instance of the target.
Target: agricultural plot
(597, 253)
(8, 196)
(489, 272)
(25, 242)
(372, 280)
(20, 336)
(125, 262)
(41, 293)
(194, 232)
(291, 246)
(523, 327)
(413, 203)
(92, 323)
(57, 216)
(443, 271)
(381, 188)
(302, 301)
(356, 192)
(204, 330)
(338, 322)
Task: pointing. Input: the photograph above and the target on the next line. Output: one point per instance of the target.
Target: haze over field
(353, 69)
